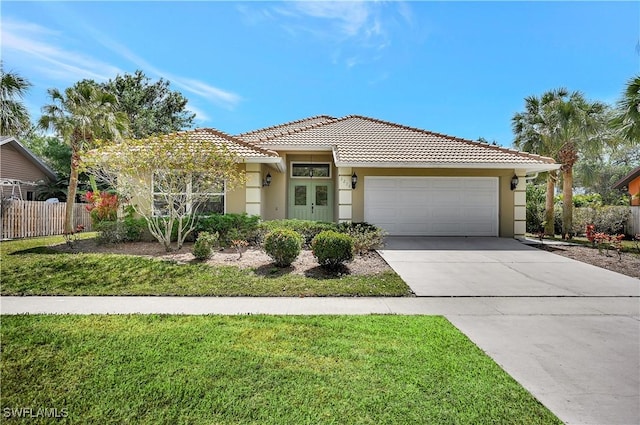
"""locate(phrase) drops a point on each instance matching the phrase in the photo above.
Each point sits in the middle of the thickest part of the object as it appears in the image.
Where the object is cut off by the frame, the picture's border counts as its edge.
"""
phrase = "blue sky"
(460, 68)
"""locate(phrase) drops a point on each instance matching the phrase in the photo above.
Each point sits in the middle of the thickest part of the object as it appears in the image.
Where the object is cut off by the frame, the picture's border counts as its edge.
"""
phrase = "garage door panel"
(437, 206)
(479, 214)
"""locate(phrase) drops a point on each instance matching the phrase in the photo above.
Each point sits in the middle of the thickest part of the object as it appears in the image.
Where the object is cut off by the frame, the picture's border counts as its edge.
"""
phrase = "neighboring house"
(20, 170)
(631, 182)
(406, 180)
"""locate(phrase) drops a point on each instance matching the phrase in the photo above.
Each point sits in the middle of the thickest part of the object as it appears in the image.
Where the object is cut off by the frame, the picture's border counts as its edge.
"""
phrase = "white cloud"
(38, 47)
(201, 116)
(348, 17)
(351, 29)
(223, 98)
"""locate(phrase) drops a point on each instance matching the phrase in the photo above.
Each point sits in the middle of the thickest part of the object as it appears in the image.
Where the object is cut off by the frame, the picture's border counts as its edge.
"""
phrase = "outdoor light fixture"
(354, 181)
(267, 180)
(514, 182)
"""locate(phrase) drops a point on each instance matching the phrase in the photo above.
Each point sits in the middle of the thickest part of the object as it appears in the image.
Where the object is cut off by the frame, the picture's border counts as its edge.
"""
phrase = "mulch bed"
(627, 263)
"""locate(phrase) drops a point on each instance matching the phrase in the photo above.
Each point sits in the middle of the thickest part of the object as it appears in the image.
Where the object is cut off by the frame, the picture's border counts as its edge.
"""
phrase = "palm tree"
(562, 125)
(14, 117)
(627, 118)
(80, 116)
(529, 137)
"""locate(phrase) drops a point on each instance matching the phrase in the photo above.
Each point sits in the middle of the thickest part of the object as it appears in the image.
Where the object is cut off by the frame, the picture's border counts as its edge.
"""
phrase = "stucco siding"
(274, 197)
(236, 197)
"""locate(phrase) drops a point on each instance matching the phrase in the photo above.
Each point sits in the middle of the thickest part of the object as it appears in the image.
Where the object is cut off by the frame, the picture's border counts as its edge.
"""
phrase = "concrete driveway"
(491, 267)
(584, 365)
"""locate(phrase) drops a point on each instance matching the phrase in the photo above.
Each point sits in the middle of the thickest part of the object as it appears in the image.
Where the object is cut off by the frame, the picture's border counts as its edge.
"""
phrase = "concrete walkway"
(580, 356)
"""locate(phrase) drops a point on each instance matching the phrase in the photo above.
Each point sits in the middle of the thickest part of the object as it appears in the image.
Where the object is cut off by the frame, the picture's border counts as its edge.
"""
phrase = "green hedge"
(230, 226)
(307, 228)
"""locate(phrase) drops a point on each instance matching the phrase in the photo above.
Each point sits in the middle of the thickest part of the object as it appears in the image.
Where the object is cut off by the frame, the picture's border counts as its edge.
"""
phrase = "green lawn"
(30, 267)
(256, 370)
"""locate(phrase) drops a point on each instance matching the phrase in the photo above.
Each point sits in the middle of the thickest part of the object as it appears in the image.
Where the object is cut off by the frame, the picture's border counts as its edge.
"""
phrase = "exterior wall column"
(345, 202)
(520, 205)
(253, 189)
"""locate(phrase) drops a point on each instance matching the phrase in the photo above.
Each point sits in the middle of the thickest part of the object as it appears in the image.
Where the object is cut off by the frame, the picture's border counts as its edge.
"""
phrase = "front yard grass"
(30, 267)
(256, 370)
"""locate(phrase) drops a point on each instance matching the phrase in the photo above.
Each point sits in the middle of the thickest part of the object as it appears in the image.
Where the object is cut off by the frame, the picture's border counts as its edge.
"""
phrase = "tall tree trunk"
(69, 228)
(549, 228)
(567, 201)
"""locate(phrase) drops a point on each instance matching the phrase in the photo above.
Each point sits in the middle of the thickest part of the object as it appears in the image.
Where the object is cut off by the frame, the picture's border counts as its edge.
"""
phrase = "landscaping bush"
(230, 226)
(134, 228)
(332, 249)
(535, 207)
(103, 206)
(283, 246)
(611, 220)
(119, 231)
(203, 247)
(365, 236)
(307, 228)
(110, 232)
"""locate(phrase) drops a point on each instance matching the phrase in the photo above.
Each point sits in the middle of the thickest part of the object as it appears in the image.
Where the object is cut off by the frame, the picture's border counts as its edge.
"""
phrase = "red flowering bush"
(103, 206)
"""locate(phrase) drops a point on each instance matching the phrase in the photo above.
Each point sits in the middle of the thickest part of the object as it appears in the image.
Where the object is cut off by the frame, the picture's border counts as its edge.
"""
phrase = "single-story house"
(631, 182)
(21, 170)
(406, 180)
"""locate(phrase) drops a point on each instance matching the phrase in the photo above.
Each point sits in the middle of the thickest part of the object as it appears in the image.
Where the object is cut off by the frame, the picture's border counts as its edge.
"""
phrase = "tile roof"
(281, 129)
(361, 140)
(236, 146)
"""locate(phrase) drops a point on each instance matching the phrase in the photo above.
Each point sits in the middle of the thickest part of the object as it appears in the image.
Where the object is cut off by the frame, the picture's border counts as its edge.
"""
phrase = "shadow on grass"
(39, 250)
(272, 271)
(320, 272)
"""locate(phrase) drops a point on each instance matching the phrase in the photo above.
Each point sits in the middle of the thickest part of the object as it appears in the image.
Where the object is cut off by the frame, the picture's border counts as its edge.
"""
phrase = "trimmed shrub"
(203, 247)
(128, 230)
(230, 226)
(307, 228)
(283, 246)
(110, 232)
(365, 236)
(134, 228)
(332, 249)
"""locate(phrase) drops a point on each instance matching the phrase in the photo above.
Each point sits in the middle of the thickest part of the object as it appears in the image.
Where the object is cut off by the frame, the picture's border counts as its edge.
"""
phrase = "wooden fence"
(634, 221)
(26, 219)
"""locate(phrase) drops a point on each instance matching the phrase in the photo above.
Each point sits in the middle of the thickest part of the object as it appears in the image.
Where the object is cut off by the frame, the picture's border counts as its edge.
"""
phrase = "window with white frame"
(189, 193)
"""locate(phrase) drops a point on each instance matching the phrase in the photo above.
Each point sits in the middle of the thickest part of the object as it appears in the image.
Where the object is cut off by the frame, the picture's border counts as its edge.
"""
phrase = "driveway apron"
(583, 364)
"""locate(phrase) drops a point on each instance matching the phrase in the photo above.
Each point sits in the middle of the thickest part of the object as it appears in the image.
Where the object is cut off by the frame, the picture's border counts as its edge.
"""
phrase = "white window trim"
(187, 193)
(294, 163)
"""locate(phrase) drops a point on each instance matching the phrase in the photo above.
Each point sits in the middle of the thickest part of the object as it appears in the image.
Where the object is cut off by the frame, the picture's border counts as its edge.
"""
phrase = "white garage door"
(433, 206)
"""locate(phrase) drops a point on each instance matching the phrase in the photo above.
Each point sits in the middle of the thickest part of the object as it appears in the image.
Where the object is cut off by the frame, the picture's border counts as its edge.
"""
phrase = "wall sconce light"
(354, 181)
(267, 180)
(514, 182)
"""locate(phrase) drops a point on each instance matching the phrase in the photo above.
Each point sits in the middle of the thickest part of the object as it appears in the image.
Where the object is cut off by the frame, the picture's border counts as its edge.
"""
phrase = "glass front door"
(311, 200)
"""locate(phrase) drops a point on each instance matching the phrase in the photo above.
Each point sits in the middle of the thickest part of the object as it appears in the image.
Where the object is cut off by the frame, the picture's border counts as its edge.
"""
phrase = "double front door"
(311, 200)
